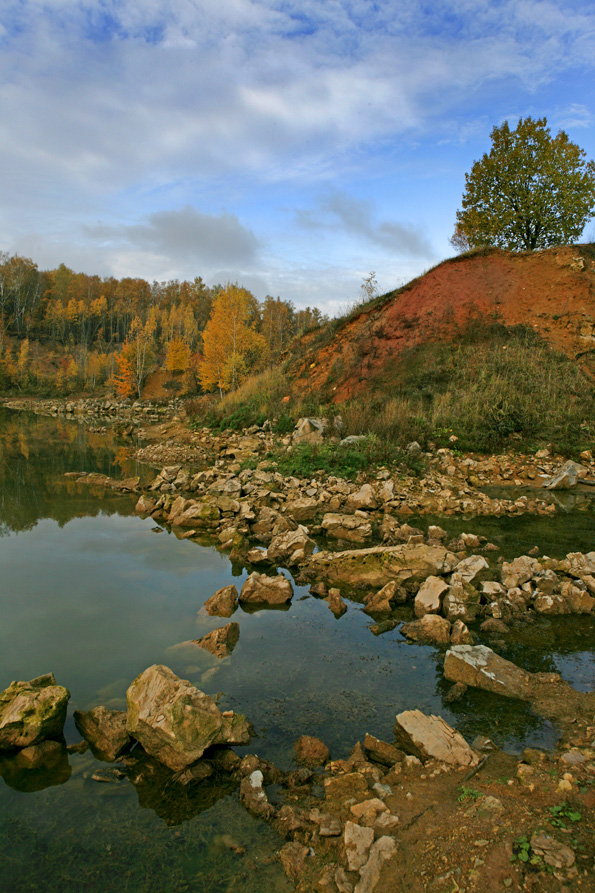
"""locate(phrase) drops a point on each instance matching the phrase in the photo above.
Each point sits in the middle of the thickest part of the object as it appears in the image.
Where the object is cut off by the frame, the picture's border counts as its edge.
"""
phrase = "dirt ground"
(553, 289)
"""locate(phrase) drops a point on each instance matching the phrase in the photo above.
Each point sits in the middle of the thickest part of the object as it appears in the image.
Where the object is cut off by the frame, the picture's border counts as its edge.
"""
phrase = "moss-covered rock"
(32, 711)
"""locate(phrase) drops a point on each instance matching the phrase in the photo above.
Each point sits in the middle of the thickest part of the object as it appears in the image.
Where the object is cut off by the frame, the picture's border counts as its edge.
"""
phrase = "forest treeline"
(62, 331)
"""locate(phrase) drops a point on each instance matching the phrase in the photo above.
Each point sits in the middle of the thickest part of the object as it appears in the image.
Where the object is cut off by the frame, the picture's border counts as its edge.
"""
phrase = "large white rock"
(480, 667)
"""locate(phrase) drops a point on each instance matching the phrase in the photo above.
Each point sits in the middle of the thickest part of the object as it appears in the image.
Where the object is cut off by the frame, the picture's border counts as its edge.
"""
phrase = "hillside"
(552, 291)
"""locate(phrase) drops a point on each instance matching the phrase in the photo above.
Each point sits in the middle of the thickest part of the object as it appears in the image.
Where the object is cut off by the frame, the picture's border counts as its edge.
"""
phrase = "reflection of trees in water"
(35, 453)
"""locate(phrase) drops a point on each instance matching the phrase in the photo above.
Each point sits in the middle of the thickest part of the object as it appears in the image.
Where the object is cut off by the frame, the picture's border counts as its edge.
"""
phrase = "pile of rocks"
(172, 720)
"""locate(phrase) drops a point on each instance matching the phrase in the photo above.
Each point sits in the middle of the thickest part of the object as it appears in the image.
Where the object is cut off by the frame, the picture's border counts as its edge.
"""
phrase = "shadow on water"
(90, 592)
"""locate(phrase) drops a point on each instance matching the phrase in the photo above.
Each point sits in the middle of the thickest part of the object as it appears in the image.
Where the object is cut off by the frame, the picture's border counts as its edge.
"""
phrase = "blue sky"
(291, 146)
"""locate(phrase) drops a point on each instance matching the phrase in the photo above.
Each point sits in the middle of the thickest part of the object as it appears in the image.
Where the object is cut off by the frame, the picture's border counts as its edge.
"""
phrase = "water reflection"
(35, 454)
(37, 767)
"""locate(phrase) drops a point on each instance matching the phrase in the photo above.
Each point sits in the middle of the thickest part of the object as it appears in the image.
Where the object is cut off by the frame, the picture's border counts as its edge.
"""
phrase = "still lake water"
(94, 594)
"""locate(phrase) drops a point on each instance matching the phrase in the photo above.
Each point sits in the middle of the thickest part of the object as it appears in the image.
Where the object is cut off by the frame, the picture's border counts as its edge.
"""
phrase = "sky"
(292, 146)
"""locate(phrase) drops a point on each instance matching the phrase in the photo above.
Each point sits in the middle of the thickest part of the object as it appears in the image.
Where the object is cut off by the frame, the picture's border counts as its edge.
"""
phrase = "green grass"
(495, 388)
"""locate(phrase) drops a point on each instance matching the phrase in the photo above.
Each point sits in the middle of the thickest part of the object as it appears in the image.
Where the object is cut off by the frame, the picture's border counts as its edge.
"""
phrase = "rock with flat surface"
(105, 730)
(302, 509)
(221, 641)
(430, 737)
(223, 602)
(407, 565)
(519, 571)
(480, 667)
(175, 722)
(32, 711)
(567, 477)
(429, 596)
(262, 590)
(553, 853)
(352, 528)
(381, 751)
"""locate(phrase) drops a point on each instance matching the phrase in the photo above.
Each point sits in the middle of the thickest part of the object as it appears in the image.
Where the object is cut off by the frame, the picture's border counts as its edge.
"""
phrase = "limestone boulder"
(580, 565)
(145, 505)
(302, 509)
(222, 641)
(32, 711)
(472, 568)
(105, 730)
(480, 667)
(362, 499)
(429, 596)
(291, 548)
(407, 565)
(520, 571)
(175, 722)
(567, 477)
(223, 602)
(431, 737)
(310, 430)
(352, 528)
(198, 514)
(270, 523)
(262, 590)
(460, 634)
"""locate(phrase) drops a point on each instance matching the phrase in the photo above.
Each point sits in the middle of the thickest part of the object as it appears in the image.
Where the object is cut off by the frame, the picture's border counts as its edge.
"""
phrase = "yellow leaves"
(231, 345)
(177, 358)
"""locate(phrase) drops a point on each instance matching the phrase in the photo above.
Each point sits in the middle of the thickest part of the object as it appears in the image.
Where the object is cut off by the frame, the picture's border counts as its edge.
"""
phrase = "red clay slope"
(553, 291)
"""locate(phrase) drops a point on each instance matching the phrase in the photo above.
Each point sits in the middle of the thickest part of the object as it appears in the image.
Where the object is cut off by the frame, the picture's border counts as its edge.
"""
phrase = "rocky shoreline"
(425, 811)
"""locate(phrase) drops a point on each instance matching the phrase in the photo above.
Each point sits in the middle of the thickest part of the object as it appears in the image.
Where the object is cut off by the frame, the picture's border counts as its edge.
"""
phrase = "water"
(95, 594)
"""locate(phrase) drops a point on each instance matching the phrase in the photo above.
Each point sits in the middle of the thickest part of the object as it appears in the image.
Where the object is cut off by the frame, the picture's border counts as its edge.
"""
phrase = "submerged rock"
(105, 730)
(32, 711)
(222, 641)
(175, 722)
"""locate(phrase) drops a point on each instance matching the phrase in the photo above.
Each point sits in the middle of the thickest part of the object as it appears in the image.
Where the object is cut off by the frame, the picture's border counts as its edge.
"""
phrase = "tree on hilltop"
(529, 192)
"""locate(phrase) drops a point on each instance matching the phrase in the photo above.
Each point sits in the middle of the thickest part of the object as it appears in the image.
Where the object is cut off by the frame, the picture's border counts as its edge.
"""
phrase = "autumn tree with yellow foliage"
(232, 347)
